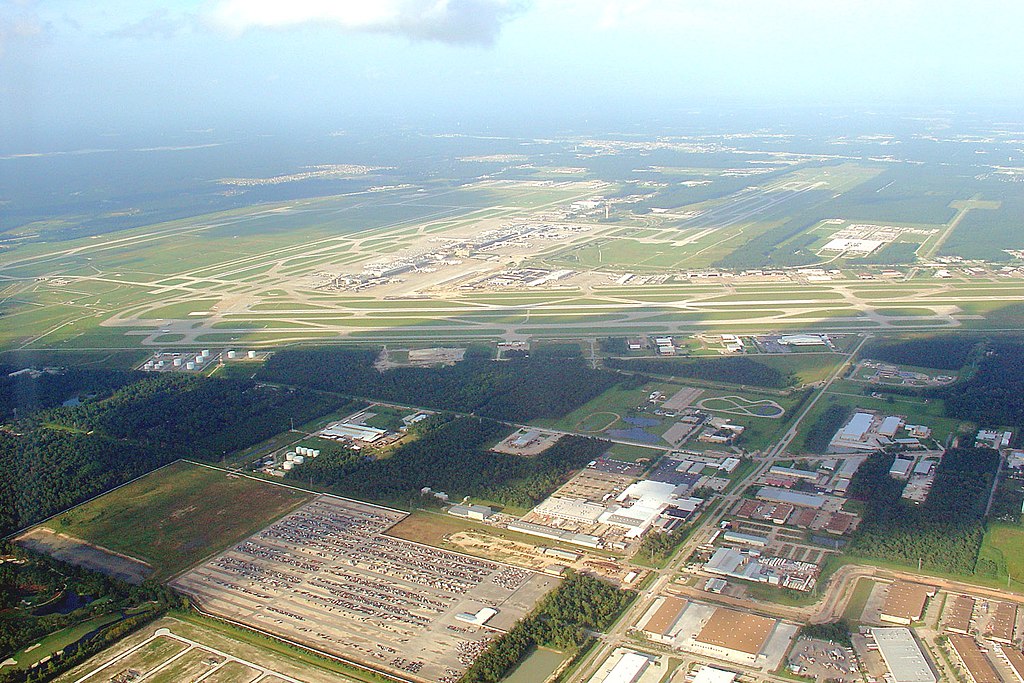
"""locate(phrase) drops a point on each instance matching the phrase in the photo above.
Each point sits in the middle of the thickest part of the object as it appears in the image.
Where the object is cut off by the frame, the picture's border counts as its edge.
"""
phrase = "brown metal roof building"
(958, 613)
(973, 660)
(1000, 628)
(659, 626)
(905, 602)
(733, 635)
(1016, 660)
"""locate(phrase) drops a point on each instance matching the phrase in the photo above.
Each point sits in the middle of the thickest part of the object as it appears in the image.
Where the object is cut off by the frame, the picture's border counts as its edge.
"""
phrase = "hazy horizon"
(68, 71)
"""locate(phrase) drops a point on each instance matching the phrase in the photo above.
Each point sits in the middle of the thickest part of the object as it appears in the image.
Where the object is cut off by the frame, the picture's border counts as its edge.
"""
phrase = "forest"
(56, 458)
(945, 532)
(452, 455)
(824, 428)
(942, 352)
(560, 621)
(24, 394)
(992, 395)
(518, 390)
(737, 370)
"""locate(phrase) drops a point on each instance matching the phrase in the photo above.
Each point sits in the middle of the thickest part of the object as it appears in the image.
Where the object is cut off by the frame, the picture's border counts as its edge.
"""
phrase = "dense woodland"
(31, 585)
(736, 370)
(560, 621)
(824, 428)
(452, 455)
(56, 458)
(993, 394)
(945, 532)
(942, 352)
(23, 395)
(518, 390)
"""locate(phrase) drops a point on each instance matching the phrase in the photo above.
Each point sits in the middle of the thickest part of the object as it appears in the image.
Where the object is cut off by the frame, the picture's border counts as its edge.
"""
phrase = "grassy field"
(808, 367)
(177, 516)
(1003, 545)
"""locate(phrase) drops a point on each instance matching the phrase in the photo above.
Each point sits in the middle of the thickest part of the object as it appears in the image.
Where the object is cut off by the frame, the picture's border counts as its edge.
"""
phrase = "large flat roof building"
(1000, 627)
(856, 428)
(660, 621)
(735, 636)
(628, 669)
(905, 602)
(903, 656)
(774, 494)
(958, 614)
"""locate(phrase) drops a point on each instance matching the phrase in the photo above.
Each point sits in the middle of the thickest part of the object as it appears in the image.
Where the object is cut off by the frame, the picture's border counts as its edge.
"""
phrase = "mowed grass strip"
(179, 515)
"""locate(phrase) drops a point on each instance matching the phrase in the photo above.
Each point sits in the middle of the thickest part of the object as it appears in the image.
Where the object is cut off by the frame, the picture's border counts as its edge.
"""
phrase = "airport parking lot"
(328, 577)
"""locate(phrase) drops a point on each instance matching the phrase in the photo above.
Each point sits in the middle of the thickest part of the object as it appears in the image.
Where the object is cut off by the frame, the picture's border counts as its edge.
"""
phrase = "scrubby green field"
(1003, 547)
(176, 516)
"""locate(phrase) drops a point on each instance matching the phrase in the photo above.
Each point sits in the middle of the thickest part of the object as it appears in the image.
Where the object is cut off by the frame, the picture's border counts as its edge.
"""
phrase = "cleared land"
(169, 519)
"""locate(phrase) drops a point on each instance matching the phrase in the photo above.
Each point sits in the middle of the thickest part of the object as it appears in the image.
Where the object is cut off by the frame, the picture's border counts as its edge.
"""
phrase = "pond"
(536, 667)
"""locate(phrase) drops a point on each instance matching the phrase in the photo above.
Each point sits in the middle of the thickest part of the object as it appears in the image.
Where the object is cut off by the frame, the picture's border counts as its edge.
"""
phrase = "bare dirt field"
(82, 554)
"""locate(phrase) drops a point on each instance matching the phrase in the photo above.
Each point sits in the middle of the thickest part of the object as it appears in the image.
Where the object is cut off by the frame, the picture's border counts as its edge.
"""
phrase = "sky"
(71, 65)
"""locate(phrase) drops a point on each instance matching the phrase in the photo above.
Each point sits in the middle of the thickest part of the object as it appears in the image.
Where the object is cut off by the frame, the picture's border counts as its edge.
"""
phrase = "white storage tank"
(232, 354)
(176, 362)
(252, 354)
(299, 459)
(288, 466)
(289, 456)
(199, 359)
(206, 353)
(190, 365)
(316, 452)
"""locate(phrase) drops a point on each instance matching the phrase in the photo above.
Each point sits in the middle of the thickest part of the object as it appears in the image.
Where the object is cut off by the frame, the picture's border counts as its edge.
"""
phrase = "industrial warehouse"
(725, 634)
(609, 510)
(326, 576)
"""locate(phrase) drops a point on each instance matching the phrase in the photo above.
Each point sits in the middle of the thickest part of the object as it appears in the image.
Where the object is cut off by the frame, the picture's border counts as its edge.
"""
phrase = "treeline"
(32, 574)
(518, 390)
(57, 458)
(834, 632)
(24, 394)
(992, 395)
(942, 352)
(734, 370)
(824, 428)
(45, 471)
(945, 532)
(452, 455)
(658, 546)
(560, 621)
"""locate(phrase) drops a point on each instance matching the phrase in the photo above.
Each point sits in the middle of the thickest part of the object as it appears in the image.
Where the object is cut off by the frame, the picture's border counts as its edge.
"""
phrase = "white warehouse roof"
(857, 427)
(628, 669)
(709, 674)
(903, 656)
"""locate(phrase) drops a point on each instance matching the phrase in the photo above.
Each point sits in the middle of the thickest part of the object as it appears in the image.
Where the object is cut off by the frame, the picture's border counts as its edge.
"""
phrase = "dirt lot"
(82, 554)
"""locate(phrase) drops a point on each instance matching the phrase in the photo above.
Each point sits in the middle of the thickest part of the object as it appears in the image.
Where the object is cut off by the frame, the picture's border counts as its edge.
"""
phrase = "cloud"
(160, 23)
(19, 23)
(466, 22)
